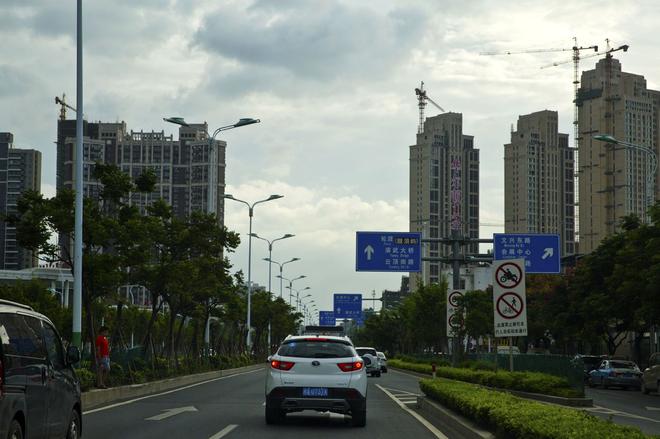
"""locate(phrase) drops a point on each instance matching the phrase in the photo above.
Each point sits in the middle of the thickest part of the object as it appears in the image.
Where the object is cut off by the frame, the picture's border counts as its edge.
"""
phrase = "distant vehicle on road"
(651, 375)
(371, 360)
(619, 373)
(590, 362)
(39, 389)
(321, 373)
(383, 362)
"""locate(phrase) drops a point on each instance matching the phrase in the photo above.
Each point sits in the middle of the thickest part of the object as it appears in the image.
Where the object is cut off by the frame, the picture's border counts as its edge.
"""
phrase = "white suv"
(321, 373)
(371, 360)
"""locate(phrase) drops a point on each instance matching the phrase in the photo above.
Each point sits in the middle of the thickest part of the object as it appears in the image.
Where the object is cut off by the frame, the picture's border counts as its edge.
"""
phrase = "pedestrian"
(102, 357)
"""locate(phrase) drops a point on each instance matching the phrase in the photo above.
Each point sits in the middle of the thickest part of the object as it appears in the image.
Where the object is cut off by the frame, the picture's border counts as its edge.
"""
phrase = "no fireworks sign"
(510, 303)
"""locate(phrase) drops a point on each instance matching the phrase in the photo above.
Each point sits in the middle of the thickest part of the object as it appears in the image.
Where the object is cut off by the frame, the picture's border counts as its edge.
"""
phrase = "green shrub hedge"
(534, 382)
(516, 418)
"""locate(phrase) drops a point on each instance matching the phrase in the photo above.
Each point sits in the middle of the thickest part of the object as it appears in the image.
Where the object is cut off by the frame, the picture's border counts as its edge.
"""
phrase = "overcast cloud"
(332, 82)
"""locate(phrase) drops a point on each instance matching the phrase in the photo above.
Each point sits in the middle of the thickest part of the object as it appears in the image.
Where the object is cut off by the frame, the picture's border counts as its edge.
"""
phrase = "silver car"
(651, 376)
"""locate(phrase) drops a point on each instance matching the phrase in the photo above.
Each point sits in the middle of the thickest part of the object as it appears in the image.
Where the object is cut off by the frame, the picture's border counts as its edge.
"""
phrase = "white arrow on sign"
(369, 250)
(548, 252)
(171, 412)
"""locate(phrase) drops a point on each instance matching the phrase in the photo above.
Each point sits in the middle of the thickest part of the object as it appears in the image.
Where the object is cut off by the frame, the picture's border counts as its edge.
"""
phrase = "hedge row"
(138, 371)
(516, 418)
(534, 382)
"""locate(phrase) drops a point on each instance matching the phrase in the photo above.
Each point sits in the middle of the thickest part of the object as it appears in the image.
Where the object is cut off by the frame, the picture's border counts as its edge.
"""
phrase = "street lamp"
(281, 267)
(291, 281)
(213, 162)
(249, 292)
(270, 253)
(651, 165)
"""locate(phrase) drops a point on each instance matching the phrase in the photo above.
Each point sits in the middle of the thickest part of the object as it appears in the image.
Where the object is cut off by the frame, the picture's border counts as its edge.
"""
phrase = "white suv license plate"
(315, 392)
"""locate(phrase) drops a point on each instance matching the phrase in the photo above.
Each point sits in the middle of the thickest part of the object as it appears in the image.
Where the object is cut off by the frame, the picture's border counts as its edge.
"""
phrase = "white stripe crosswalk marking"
(224, 432)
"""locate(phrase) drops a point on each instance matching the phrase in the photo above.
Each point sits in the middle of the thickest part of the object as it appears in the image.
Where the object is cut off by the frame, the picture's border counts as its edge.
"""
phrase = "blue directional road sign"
(326, 318)
(348, 306)
(540, 251)
(388, 251)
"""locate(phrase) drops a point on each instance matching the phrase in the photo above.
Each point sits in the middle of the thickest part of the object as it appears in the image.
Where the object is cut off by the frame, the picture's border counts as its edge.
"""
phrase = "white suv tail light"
(350, 367)
(281, 365)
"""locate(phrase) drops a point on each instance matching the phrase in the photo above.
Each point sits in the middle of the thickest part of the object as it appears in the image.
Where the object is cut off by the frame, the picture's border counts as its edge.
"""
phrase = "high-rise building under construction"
(613, 178)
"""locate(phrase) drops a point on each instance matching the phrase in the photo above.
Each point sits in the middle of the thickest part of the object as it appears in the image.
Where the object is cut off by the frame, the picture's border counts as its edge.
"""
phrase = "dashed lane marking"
(607, 411)
(224, 432)
(437, 433)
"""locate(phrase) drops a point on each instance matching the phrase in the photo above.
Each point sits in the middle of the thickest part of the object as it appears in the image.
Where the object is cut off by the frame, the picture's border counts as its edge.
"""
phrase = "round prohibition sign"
(508, 275)
(455, 321)
(453, 298)
(509, 305)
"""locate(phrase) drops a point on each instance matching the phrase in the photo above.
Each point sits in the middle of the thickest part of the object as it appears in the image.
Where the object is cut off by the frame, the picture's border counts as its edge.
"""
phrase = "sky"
(333, 84)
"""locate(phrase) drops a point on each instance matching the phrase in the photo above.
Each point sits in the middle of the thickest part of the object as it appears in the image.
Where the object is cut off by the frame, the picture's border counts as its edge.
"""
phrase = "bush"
(87, 379)
(517, 418)
(533, 382)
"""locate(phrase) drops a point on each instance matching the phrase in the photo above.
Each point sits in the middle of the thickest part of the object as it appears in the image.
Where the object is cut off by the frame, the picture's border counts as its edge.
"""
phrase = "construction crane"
(576, 131)
(422, 97)
(63, 106)
(575, 59)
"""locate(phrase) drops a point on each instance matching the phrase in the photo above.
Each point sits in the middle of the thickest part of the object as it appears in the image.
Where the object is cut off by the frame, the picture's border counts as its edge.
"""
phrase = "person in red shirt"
(102, 357)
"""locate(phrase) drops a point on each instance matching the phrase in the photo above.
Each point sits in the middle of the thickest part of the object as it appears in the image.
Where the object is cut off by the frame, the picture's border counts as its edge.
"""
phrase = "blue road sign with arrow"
(348, 306)
(388, 251)
(327, 318)
(541, 252)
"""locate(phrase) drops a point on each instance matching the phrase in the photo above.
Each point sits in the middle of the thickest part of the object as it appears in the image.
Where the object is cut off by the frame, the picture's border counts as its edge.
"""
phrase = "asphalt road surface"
(628, 407)
(233, 407)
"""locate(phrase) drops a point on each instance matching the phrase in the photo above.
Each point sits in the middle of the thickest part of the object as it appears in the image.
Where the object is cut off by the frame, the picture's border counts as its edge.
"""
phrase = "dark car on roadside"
(589, 363)
(616, 373)
(39, 390)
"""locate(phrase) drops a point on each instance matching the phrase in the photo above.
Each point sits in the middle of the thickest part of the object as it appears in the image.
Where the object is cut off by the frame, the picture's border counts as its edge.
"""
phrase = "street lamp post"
(290, 287)
(651, 165)
(213, 179)
(249, 292)
(281, 268)
(213, 155)
(270, 254)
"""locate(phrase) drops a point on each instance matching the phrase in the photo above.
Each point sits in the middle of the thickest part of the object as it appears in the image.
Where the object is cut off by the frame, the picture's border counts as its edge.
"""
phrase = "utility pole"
(456, 259)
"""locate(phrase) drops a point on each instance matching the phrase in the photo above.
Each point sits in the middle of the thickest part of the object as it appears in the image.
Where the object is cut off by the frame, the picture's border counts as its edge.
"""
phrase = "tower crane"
(422, 97)
(63, 106)
(575, 59)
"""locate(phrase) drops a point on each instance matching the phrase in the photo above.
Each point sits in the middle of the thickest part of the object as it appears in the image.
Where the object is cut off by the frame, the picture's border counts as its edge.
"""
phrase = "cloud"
(313, 40)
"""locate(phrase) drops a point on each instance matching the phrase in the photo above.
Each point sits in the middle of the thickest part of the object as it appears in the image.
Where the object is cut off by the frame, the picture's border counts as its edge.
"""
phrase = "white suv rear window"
(315, 349)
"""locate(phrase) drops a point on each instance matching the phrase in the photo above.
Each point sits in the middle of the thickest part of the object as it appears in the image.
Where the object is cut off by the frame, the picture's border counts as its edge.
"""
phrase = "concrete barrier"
(99, 397)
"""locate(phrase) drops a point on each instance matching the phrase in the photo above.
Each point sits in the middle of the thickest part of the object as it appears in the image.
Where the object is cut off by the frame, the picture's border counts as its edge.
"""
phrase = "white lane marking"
(611, 412)
(224, 432)
(263, 404)
(178, 389)
(168, 413)
(414, 414)
(656, 409)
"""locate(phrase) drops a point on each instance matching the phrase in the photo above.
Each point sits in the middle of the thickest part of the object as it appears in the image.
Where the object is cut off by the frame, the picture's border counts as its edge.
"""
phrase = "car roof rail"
(20, 305)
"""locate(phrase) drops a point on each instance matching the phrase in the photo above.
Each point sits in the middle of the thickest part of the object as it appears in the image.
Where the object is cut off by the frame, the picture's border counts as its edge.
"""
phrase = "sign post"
(509, 301)
(388, 251)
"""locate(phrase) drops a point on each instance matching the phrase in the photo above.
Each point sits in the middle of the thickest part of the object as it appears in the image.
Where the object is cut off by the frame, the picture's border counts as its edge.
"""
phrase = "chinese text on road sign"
(348, 306)
(509, 300)
(388, 251)
(541, 252)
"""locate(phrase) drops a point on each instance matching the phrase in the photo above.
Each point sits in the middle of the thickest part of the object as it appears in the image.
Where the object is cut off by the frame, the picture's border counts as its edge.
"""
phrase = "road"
(629, 407)
(233, 407)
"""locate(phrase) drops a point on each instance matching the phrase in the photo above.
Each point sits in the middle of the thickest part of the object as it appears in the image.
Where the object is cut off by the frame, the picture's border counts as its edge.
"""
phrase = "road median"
(95, 398)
